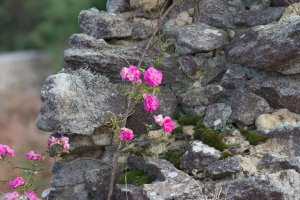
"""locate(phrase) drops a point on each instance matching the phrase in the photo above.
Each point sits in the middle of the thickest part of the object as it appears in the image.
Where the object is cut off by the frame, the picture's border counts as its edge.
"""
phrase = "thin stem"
(154, 32)
(113, 175)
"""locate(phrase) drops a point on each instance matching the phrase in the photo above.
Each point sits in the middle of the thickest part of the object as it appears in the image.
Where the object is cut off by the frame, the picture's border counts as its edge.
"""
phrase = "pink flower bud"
(126, 134)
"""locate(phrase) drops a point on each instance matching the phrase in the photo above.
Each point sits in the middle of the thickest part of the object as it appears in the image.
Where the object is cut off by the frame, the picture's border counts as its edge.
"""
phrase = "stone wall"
(233, 62)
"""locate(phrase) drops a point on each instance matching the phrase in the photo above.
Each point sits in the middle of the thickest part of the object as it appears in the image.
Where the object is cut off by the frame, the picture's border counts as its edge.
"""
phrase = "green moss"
(135, 177)
(147, 154)
(225, 154)
(199, 125)
(190, 119)
(173, 157)
(254, 138)
(211, 138)
(178, 129)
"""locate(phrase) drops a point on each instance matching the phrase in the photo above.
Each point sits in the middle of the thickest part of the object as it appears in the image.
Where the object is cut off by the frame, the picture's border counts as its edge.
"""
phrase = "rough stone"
(278, 119)
(201, 96)
(233, 79)
(250, 18)
(268, 48)
(218, 13)
(103, 25)
(223, 168)
(213, 74)
(275, 163)
(97, 182)
(287, 138)
(280, 185)
(217, 115)
(140, 31)
(78, 105)
(72, 173)
(291, 12)
(68, 192)
(279, 91)
(189, 64)
(199, 38)
(247, 106)
(110, 61)
(170, 183)
(117, 6)
(167, 107)
(279, 3)
(180, 7)
(83, 41)
(199, 156)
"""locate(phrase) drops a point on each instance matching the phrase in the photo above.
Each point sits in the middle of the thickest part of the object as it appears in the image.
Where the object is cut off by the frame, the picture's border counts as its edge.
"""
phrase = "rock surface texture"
(230, 84)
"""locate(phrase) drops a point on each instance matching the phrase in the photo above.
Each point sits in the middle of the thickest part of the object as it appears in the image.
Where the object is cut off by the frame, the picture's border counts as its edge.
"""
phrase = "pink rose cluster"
(64, 141)
(166, 123)
(5, 150)
(32, 156)
(126, 134)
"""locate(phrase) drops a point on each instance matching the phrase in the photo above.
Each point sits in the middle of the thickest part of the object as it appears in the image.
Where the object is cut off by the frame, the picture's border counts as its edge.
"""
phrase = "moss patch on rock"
(190, 119)
(254, 138)
(173, 157)
(225, 154)
(136, 177)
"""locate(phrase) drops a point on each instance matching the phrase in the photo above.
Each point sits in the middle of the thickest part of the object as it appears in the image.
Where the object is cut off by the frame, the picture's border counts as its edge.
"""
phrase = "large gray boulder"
(108, 59)
(279, 91)
(247, 106)
(78, 103)
(103, 25)
(199, 156)
(268, 48)
(280, 185)
(199, 38)
(170, 183)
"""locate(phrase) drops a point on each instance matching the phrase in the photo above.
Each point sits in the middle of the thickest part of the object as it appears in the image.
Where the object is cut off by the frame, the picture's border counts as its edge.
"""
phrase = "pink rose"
(151, 102)
(65, 142)
(168, 125)
(11, 196)
(5, 150)
(126, 134)
(52, 141)
(159, 120)
(31, 195)
(31, 155)
(131, 74)
(16, 182)
(152, 77)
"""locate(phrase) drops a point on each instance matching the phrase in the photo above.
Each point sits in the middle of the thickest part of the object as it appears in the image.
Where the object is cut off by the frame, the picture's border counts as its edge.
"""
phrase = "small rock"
(217, 115)
(223, 168)
(103, 25)
(199, 38)
(199, 156)
(234, 79)
(246, 107)
(117, 6)
(271, 161)
(278, 119)
(213, 74)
